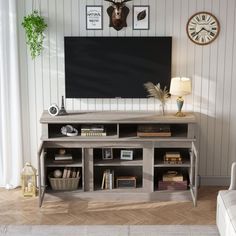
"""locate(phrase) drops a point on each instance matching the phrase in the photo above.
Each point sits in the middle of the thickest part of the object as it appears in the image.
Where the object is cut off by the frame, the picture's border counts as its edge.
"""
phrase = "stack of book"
(63, 158)
(93, 130)
(154, 130)
(172, 180)
(172, 158)
(71, 172)
(108, 179)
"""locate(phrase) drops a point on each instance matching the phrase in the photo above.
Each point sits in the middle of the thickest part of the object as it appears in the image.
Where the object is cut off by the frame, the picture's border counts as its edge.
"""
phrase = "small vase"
(162, 108)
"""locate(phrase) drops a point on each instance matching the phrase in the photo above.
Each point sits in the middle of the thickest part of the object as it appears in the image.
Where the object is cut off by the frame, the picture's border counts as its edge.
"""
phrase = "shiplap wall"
(212, 69)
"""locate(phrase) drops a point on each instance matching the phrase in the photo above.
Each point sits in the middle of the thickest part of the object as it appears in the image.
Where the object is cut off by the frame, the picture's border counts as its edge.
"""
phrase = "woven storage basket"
(64, 183)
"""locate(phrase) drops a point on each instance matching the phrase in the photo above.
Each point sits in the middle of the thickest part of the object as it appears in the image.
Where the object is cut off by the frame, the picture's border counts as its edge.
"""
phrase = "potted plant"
(34, 26)
(161, 94)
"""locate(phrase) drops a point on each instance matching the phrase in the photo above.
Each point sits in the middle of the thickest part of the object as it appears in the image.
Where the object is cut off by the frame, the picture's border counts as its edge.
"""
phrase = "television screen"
(110, 67)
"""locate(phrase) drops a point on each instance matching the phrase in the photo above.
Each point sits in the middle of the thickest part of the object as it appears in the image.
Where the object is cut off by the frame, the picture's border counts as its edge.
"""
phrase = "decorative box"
(126, 182)
(172, 185)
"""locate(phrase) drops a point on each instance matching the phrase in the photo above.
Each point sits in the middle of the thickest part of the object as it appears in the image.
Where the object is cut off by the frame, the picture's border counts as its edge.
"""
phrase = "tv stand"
(146, 165)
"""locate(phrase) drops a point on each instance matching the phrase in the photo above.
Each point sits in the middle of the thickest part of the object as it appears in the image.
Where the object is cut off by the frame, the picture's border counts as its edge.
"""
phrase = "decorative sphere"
(57, 173)
(62, 151)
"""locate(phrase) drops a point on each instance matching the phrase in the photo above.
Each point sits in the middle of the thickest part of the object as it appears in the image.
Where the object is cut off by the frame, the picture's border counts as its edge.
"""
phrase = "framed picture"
(126, 155)
(94, 17)
(107, 154)
(141, 18)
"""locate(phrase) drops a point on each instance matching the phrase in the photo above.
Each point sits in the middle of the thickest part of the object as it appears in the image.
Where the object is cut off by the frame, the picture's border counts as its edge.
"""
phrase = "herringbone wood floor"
(15, 209)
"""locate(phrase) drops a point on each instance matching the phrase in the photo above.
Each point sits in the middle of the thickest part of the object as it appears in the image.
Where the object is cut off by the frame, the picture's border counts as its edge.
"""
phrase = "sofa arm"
(233, 177)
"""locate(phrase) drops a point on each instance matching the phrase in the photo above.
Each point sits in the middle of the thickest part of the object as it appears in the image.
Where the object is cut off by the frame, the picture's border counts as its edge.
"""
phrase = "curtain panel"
(11, 159)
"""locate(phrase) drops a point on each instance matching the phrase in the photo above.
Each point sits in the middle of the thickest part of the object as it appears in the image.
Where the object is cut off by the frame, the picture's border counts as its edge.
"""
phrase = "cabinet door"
(41, 177)
(194, 173)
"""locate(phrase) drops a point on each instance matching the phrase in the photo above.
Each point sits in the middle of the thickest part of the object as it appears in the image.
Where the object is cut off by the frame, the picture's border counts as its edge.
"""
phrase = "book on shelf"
(172, 185)
(172, 154)
(97, 128)
(93, 133)
(60, 157)
(64, 175)
(154, 130)
(93, 130)
(108, 179)
(68, 172)
(62, 161)
(77, 174)
(73, 175)
(172, 176)
(154, 134)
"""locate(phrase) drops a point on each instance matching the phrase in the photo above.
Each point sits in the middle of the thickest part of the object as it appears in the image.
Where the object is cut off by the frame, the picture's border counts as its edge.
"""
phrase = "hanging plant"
(34, 26)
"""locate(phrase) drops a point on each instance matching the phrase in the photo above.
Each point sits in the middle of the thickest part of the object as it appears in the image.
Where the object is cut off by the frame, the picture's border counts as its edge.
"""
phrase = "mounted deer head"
(118, 13)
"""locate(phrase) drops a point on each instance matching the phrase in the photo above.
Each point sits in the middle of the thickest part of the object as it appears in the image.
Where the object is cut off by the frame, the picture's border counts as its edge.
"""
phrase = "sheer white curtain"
(10, 117)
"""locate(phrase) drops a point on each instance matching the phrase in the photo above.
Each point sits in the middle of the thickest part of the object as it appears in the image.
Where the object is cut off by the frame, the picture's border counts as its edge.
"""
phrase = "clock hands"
(201, 31)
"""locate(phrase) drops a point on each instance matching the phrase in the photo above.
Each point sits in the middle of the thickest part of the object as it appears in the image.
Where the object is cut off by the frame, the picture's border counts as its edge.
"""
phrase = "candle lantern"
(28, 178)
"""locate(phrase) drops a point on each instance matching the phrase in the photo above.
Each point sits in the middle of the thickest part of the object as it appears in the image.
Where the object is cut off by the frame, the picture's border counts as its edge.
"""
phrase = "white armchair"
(226, 207)
(233, 177)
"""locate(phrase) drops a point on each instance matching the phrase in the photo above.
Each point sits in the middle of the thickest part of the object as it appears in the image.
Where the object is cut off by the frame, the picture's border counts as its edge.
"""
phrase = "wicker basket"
(64, 183)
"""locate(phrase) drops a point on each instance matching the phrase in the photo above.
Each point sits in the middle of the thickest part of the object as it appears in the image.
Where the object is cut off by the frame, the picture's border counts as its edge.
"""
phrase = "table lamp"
(180, 86)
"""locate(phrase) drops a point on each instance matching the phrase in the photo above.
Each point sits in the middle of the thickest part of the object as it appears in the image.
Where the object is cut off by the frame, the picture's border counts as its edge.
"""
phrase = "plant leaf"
(156, 92)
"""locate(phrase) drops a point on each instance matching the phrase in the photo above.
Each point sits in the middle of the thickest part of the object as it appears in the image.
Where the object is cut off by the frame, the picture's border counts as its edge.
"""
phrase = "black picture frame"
(144, 23)
(91, 17)
(107, 154)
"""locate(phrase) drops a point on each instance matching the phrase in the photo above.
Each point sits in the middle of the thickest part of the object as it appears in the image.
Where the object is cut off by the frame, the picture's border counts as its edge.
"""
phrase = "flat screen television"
(110, 67)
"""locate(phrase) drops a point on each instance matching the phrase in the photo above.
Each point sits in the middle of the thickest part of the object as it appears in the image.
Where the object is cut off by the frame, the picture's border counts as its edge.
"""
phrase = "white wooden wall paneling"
(227, 86)
(219, 89)
(232, 118)
(204, 97)
(211, 100)
(32, 97)
(211, 67)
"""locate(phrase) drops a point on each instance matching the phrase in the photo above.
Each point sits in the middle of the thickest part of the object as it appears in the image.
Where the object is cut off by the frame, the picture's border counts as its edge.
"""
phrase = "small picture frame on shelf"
(141, 17)
(126, 155)
(107, 154)
(94, 17)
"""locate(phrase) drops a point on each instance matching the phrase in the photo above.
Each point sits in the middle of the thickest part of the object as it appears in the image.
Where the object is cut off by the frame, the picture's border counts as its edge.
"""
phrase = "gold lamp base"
(180, 114)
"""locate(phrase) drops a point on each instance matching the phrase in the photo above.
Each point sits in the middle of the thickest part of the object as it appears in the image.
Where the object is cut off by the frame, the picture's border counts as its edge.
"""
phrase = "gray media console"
(135, 161)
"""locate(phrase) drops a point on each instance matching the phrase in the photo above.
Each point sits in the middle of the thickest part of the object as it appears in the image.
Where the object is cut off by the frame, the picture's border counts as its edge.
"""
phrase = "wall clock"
(203, 28)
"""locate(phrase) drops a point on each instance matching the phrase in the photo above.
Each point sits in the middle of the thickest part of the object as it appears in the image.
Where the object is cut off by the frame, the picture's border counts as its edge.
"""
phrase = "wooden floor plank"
(15, 209)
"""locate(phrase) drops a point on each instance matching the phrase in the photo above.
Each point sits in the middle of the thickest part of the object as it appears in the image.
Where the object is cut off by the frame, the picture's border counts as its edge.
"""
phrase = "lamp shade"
(180, 86)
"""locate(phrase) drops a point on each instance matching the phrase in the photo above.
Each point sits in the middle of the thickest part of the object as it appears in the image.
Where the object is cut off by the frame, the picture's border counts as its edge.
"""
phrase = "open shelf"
(54, 131)
(158, 173)
(75, 162)
(49, 172)
(116, 157)
(159, 154)
(118, 172)
(131, 131)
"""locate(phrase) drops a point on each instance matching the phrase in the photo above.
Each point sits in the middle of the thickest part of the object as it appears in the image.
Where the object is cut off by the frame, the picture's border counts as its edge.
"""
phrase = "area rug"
(109, 230)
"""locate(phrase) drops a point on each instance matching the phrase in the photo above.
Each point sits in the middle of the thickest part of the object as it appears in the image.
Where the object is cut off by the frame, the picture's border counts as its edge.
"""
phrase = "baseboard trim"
(214, 180)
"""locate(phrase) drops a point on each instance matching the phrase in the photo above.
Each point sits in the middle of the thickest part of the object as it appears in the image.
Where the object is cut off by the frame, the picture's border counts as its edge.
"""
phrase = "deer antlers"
(124, 1)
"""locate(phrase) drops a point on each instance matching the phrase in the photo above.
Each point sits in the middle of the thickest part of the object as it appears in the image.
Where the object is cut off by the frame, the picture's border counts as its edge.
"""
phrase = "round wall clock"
(203, 28)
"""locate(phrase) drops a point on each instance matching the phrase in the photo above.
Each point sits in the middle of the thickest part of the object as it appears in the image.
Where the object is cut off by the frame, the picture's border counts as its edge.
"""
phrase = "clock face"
(203, 28)
(53, 110)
